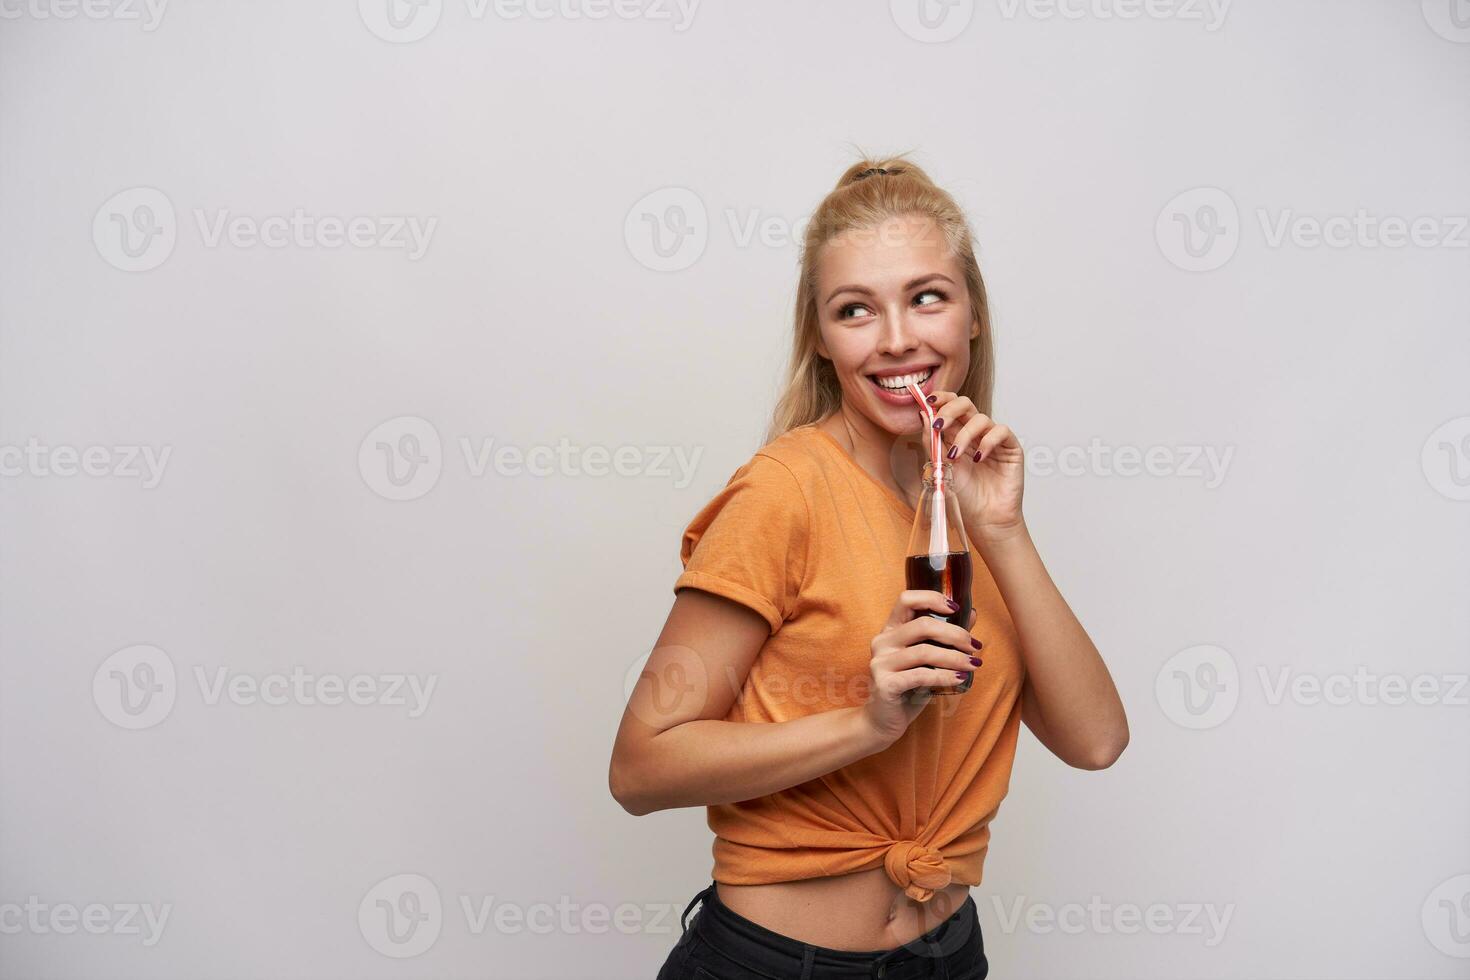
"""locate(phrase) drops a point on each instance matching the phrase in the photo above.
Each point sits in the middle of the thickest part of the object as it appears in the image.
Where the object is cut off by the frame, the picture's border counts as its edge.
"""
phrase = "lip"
(902, 397)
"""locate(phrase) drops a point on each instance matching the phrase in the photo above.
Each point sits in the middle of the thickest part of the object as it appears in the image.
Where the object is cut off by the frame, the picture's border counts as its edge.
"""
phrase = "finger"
(973, 614)
(953, 412)
(999, 435)
(939, 398)
(927, 628)
(967, 438)
(920, 677)
(912, 601)
(929, 655)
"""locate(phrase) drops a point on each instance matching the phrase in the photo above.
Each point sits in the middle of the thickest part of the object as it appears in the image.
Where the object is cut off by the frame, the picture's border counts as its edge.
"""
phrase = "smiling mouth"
(897, 383)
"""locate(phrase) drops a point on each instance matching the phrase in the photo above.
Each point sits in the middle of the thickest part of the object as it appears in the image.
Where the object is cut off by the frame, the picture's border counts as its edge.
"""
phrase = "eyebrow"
(906, 286)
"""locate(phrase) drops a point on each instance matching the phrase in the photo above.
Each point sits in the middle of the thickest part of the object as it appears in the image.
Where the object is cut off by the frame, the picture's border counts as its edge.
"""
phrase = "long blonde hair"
(863, 199)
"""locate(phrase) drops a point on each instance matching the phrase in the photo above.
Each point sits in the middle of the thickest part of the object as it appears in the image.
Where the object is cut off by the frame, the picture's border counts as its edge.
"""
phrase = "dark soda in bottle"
(939, 557)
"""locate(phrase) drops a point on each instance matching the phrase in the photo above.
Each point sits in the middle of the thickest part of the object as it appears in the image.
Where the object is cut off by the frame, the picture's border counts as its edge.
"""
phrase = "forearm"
(706, 762)
(1074, 694)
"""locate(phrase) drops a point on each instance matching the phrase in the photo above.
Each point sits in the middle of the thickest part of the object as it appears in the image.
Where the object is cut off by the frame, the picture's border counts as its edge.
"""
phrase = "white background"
(540, 314)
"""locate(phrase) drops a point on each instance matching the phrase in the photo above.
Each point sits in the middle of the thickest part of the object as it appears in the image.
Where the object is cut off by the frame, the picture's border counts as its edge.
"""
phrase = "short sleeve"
(749, 543)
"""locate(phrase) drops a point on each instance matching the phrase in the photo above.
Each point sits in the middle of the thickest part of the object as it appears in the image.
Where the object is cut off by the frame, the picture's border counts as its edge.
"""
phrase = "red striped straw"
(938, 528)
(936, 445)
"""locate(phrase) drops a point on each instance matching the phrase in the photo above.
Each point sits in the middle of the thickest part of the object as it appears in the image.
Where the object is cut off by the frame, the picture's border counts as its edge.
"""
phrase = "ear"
(974, 329)
(822, 346)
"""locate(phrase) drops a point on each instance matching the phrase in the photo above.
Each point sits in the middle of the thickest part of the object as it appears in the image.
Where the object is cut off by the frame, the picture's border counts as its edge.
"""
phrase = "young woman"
(790, 690)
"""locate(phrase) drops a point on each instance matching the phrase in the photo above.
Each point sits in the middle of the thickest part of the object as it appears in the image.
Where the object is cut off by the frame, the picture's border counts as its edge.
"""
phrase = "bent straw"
(939, 521)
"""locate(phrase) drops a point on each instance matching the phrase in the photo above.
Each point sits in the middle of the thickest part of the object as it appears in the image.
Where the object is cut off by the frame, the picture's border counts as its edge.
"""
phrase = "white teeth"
(899, 382)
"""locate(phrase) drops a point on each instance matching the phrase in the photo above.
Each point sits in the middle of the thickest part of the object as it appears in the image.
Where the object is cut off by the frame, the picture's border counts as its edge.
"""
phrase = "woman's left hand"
(988, 467)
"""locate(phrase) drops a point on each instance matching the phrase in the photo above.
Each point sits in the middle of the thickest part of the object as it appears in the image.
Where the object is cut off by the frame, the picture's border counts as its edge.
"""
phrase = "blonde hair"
(863, 198)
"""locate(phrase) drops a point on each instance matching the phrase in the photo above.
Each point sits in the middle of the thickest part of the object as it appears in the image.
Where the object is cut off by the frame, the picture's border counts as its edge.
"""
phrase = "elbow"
(1102, 753)
(623, 790)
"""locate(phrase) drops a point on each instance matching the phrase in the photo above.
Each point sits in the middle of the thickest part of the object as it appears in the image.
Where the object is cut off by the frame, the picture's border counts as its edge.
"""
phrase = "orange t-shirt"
(807, 538)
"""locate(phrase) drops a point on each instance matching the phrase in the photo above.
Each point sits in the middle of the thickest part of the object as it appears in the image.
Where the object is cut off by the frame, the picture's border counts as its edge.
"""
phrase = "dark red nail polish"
(978, 455)
(976, 644)
(939, 423)
(975, 661)
(953, 451)
(961, 674)
(953, 605)
(932, 399)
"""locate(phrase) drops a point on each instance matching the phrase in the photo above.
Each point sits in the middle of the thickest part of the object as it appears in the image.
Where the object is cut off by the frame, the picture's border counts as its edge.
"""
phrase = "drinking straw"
(935, 443)
(939, 522)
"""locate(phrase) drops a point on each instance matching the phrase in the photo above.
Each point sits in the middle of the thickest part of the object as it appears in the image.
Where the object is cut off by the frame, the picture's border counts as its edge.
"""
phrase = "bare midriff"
(859, 912)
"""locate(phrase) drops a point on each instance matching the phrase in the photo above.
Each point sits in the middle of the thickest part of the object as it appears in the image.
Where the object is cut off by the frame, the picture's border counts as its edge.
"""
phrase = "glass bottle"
(939, 556)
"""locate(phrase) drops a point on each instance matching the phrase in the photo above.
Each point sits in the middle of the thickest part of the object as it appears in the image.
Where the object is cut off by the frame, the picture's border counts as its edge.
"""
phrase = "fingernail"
(953, 605)
(976, 644)
(975, 661)
(953, 451)
(978, 455)
(961, 674)
(932, 399)
(939, 423)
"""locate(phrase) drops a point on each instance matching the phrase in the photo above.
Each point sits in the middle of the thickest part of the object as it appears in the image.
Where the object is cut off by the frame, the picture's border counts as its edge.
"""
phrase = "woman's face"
(892, 305)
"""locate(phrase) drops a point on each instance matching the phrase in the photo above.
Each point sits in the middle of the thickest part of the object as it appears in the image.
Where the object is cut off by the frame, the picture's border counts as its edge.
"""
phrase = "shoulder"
(799, 454)
(768, 493)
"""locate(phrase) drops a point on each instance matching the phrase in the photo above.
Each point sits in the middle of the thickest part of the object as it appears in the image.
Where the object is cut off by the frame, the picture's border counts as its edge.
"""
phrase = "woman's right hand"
(907, 658)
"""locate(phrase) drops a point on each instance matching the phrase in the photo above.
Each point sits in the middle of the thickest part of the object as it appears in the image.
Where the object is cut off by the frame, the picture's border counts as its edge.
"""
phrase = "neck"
(895, 461)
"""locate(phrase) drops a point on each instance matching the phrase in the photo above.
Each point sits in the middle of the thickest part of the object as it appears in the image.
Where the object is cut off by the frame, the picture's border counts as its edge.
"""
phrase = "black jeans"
(721, 945)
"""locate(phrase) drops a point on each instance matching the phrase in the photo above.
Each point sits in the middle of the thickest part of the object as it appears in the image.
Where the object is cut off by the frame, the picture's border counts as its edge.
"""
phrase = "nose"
(896, 337)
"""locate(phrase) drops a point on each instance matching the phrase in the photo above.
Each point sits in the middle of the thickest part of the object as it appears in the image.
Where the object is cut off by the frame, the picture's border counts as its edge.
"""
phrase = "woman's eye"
(845, 312)
(930, 292)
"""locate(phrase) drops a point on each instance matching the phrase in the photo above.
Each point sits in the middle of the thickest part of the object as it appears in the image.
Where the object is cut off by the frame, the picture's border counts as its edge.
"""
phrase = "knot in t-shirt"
(918, 870)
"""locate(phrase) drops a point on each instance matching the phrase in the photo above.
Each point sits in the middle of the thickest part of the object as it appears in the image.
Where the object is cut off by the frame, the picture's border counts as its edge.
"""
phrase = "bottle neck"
(948, 472)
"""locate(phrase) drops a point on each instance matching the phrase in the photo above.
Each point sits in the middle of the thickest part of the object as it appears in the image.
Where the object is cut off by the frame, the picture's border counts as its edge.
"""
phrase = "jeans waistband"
(757, 948)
